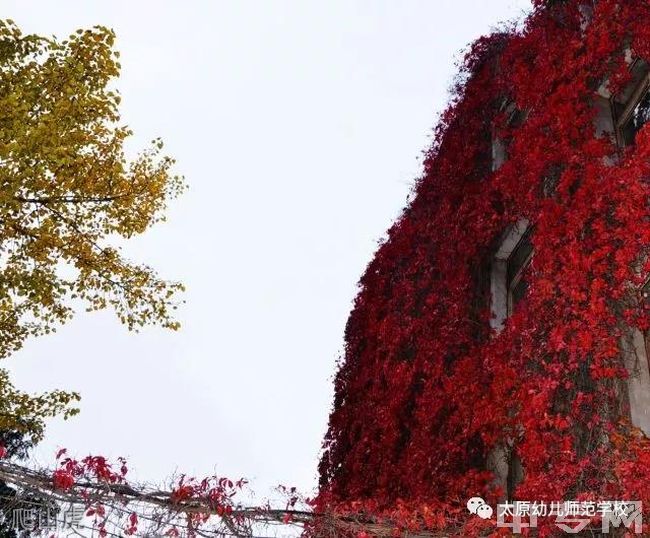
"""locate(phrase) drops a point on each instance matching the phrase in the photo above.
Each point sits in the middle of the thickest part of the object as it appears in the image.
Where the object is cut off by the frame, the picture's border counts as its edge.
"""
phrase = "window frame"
(512, 283)
(640, 88)
(499, 281)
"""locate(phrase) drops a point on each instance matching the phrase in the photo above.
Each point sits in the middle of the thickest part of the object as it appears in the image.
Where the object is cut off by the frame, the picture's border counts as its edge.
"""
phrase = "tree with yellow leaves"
(68, 194)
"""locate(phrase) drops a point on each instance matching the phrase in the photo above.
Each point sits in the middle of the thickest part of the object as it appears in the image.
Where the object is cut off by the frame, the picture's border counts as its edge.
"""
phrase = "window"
(514, 118)
(508, 281)
(508, 284)
(638, 117)
(632, 106)
(518, 261)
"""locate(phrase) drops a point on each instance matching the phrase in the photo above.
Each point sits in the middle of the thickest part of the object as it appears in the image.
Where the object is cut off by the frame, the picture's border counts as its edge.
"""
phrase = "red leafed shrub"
(426, 389)
(132, 527)
(182, 493)
(62, 479)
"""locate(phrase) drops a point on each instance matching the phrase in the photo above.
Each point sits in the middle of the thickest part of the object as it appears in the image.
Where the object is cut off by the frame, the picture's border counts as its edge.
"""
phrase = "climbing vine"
(427, 389)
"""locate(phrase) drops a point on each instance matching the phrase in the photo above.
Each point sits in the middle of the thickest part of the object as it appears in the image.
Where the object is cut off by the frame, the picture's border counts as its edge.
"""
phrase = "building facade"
(498, 344)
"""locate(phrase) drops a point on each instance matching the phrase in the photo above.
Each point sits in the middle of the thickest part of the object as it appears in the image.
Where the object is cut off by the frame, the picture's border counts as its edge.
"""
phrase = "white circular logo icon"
(484, 511)
(476, 505)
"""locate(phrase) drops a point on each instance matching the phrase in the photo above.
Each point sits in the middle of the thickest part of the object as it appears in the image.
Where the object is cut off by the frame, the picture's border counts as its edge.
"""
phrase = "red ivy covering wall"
(426, 389)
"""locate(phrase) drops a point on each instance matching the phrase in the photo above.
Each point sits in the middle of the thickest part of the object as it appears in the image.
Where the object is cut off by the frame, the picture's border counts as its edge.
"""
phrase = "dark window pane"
(519, 258)
(640, 116)
(518, 291)
(517, 263)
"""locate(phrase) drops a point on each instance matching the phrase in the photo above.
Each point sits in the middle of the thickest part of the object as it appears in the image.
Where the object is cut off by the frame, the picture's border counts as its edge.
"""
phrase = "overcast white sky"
(299, 126)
